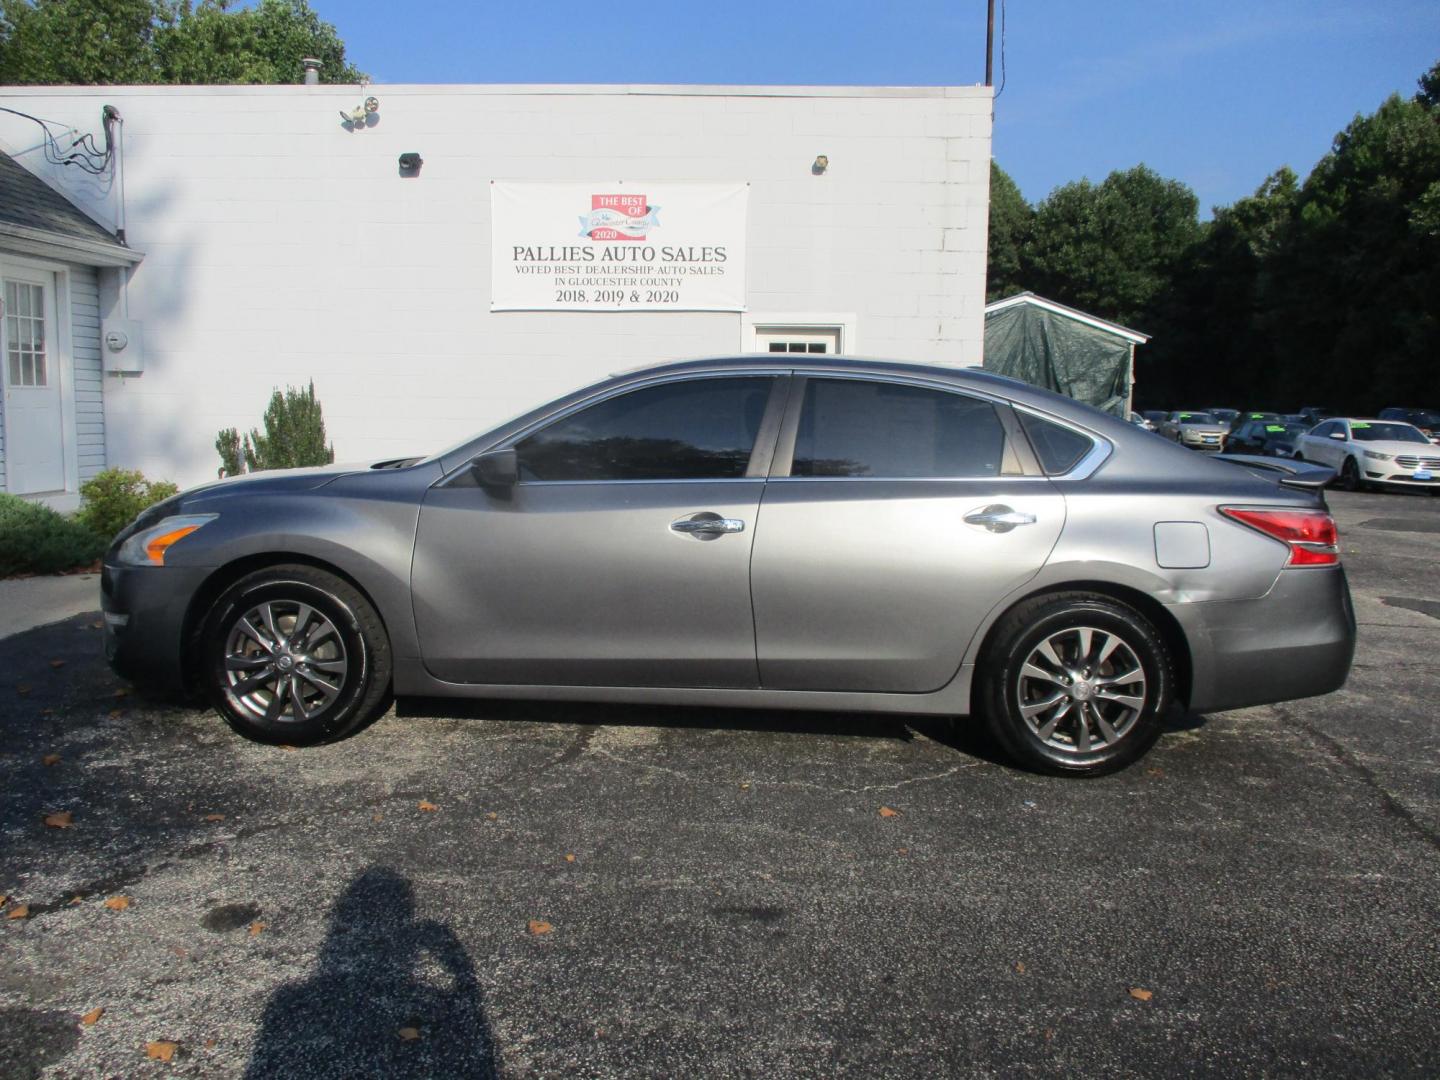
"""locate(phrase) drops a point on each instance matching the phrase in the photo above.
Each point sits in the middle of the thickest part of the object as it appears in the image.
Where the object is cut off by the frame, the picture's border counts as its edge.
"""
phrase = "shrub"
(36, 540)
(112, 499)
(294, 436)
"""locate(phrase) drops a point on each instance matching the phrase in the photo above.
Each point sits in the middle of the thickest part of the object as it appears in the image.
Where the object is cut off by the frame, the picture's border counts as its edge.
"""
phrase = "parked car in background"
(1224, 416)
(1427, 420)
(769, 532)
(1262, 417)
(1196, 430)
(1313, 414)
(1155, 416)
(1140, 420)
(1372, 452)
(1269, 439)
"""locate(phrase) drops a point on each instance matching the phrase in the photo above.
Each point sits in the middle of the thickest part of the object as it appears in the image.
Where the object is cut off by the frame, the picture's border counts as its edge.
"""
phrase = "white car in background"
(1372, 452)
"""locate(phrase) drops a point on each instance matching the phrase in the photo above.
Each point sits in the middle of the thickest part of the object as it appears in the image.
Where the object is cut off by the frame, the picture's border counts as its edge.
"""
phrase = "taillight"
(1310, 534)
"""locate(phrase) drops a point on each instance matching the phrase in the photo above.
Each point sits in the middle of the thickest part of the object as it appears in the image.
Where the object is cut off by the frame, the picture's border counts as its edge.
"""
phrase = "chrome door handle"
(999, 518)
(708, 525)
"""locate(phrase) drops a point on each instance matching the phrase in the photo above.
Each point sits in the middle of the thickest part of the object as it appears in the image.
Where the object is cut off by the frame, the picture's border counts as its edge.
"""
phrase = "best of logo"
(619, 217)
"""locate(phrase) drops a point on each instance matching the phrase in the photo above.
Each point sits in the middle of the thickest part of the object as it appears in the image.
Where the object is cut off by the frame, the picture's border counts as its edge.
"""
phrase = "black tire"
(341, 671)
(1004, 686)
(1349, 479)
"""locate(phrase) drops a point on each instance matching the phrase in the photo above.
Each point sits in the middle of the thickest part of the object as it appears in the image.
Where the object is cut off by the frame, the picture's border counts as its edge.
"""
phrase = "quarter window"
(854, 427)
(1058, 448)
(699, 429)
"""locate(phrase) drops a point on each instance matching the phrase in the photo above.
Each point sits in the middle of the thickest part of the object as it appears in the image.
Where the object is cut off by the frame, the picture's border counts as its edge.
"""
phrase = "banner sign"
(617, 246)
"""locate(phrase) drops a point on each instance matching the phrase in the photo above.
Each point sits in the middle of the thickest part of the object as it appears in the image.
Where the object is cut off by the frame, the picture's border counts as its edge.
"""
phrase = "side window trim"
(1015, 442)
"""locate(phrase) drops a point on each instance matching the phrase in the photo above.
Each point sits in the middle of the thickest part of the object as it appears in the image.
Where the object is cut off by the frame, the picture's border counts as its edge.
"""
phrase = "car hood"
(1203, 429)
(276, 480)
(1398, 449)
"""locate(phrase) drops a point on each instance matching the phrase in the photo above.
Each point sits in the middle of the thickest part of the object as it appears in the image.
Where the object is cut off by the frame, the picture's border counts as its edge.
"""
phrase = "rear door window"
(864, 428)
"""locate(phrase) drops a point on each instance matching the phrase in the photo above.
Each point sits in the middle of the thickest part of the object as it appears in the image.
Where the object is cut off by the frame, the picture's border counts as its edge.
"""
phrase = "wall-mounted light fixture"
(822, 162)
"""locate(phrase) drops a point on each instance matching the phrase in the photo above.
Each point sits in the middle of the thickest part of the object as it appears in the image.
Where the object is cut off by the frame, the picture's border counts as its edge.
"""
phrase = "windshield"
(1195, 418)
(1385, 431)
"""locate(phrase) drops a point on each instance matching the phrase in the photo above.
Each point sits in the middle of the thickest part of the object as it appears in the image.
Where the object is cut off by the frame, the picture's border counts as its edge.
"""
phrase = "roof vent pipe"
(312, 71)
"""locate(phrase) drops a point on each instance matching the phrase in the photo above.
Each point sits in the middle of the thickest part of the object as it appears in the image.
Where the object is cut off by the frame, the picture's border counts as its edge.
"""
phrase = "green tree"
(96, 42)
(294, 433)
(77, 41)
(1011, 222)
(1112, 248)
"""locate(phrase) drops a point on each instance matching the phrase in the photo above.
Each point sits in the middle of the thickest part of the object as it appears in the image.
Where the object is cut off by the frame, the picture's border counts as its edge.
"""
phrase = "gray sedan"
(757, 531)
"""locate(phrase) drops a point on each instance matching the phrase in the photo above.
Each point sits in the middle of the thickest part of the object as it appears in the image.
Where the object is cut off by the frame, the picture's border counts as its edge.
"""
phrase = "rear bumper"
(1297, 641)
(145, 609)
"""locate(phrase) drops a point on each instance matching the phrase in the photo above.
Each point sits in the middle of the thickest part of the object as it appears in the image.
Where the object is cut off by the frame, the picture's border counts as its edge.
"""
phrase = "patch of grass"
(36, 540)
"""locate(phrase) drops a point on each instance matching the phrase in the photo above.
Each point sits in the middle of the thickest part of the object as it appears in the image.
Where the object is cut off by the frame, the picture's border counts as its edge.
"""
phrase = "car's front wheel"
(1076, 683)
(297, 656)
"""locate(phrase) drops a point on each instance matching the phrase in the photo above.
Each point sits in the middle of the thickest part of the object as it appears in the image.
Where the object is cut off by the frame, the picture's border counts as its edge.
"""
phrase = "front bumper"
(1297, 641)
(145, 609)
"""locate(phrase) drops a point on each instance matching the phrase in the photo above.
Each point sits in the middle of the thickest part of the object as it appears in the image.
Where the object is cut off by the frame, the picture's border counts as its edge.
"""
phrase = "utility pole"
(990, 43)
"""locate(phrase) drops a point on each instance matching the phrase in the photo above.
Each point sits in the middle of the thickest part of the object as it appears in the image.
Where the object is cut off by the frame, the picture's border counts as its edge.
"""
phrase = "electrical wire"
(1001, 88)
(90, 157)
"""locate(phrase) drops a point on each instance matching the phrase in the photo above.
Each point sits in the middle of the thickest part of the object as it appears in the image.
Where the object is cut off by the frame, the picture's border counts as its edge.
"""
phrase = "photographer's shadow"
(390, 996)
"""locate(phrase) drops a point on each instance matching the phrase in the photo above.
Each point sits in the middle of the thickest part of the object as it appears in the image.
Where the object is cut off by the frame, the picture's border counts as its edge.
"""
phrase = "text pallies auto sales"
(617, 253)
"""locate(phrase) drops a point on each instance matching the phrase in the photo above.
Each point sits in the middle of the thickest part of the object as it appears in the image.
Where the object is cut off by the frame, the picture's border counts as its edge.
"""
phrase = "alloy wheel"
(284, 661)
(1081, 689)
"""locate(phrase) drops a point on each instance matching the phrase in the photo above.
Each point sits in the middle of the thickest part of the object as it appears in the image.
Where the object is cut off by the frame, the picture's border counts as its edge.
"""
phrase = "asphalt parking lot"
(531, 890)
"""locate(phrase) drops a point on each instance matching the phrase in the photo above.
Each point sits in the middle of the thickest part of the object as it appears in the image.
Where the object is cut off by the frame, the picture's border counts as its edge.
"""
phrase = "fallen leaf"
(903, 850)
(885, 811)
(569, 858)
(376, 817)
(409, 1034)
(124, 691)
(57, 663)
(76, 899)
(19, 911)
(93, 1015)
(62, 819)
(744, 787)
(3, 899)
(540, 926)
(255, 928)
(1155, 771)
(47, 712)
(181, 953)
(115, 714)
(214, 817)
(492, 816)
(97, 626)
(1049, 1034)
(209, 1044)
(1019, 967)
(118, 903)
(21, 688)
(286, 746)
(1141, 995)
(428, 806)
(50, 759)
(161, 1051)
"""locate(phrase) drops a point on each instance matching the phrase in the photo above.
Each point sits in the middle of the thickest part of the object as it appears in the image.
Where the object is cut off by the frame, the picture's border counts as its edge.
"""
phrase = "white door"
(34, 431)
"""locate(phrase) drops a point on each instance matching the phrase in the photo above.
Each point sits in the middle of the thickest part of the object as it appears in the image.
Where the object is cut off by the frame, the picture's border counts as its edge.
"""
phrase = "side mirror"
(1338, 435)
(497, 469)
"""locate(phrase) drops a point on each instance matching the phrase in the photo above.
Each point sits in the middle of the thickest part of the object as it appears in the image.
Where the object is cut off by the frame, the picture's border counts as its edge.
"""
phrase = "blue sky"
(1217, 93)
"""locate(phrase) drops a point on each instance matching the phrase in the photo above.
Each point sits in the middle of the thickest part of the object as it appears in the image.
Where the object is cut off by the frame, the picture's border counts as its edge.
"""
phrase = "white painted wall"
(281, 247)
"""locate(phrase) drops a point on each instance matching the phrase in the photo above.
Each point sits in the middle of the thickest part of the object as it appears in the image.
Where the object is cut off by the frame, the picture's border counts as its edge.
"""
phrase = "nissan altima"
(778, 532)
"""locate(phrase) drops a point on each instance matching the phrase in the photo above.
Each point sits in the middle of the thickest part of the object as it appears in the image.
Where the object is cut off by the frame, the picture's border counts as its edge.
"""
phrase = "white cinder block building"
(549, 235)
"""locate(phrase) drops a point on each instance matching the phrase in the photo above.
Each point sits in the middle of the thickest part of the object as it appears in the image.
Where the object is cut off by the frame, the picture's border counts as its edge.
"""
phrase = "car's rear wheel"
(294, 655)
(1076, 683)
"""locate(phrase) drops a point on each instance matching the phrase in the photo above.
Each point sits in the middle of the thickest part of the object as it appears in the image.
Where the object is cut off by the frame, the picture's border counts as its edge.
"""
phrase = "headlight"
(1375, 455)
(148, 546)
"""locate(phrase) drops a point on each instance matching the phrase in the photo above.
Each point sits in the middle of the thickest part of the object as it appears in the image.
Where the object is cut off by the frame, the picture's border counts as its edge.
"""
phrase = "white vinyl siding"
(89, 377)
